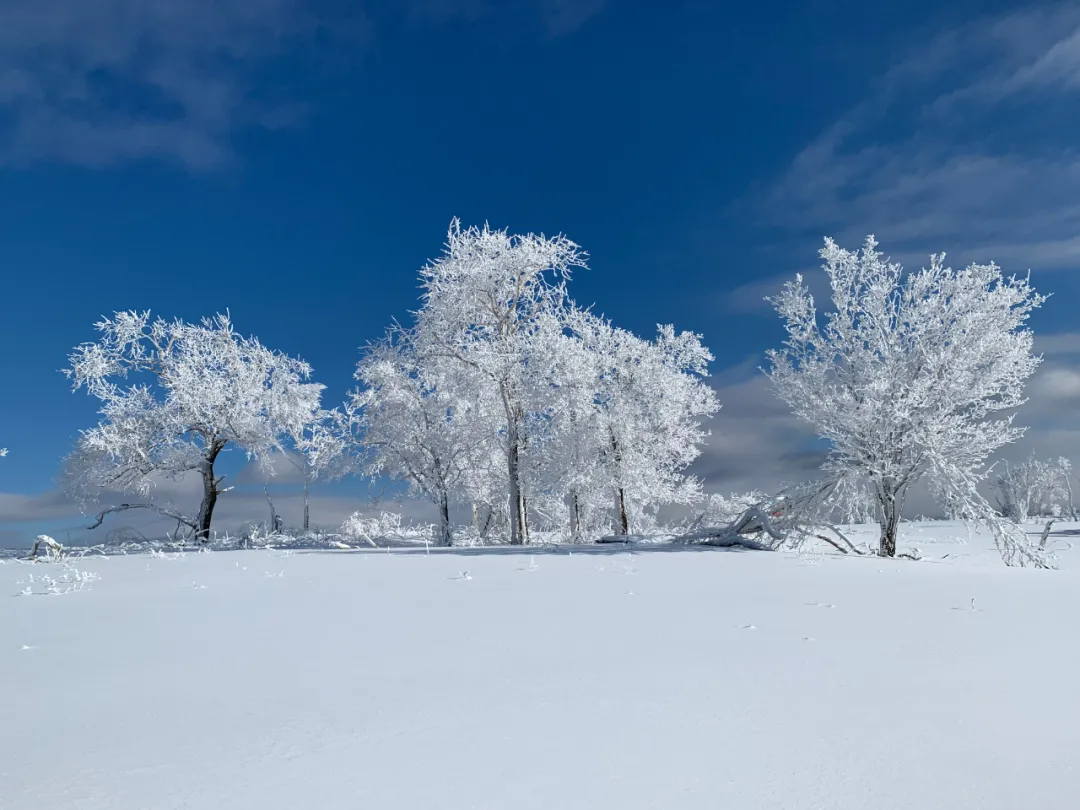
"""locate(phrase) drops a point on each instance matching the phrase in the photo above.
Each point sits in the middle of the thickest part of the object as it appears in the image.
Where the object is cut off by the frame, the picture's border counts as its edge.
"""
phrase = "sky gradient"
(296, 162)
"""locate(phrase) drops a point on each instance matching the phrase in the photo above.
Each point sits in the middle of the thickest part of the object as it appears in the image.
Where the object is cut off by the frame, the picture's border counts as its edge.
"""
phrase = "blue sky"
(296, 161)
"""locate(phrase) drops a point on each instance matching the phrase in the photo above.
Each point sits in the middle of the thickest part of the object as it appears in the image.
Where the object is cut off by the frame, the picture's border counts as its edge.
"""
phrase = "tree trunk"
(275, 519)
(482, 524)
(518, 530)
(210, 493)
(624, 519)
(890, 521)
(575, 518)
(444, 519)
(307, 510)
(620, 493)
(517, 505)
(525, 518)
(206, 508)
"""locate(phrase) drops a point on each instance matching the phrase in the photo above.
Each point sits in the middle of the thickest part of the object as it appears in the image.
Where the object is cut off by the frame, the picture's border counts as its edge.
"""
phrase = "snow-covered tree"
(483, 303)
(415, 424)
(174, 396)
(570, 469)
(649, 400)
(905, 376)
(1034, 488)
(324, 451)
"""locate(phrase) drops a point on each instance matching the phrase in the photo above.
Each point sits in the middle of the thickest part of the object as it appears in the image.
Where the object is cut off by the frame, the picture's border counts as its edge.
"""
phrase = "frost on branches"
(905, 376)
(324, 446)
(174, 396)
(486, 302)
(639, 425)
(508, 396)
(416, 423)
(1035, 489)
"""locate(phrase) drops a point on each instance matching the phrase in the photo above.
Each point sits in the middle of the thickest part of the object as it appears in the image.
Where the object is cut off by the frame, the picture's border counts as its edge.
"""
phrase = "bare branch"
(186, 521)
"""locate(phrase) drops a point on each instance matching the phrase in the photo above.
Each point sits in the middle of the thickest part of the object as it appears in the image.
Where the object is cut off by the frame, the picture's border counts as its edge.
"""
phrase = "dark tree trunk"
(517, 500)
(891, 508)
(620, 493)
(575, 518)
(206, 508)
(624, 519)
(482, 525)
(444, 520)
(525, 518)
(210, 493)
(518, 530)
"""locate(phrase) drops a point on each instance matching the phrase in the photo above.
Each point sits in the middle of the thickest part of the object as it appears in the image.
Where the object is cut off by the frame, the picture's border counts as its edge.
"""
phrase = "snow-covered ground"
(696, 678)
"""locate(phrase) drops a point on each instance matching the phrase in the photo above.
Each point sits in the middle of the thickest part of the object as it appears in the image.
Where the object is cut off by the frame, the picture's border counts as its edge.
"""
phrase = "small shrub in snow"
(68, 580)
(387, 527)
(1034, 489)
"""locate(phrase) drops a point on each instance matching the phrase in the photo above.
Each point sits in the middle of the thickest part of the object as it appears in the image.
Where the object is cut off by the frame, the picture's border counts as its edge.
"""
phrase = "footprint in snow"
(747, 627)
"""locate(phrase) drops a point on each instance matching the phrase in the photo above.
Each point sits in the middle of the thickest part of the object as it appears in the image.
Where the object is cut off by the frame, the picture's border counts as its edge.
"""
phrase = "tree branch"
(189, 522)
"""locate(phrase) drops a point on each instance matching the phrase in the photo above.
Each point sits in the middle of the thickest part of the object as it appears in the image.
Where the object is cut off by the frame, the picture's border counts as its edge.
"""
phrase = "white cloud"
(1056, 384)
(1053, 344)
(959, 147)
(279, 469)
(98, 82)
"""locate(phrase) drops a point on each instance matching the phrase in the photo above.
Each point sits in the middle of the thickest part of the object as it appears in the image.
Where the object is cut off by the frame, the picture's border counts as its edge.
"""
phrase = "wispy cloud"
(99, 82)
(965, 145)
(1055, 344)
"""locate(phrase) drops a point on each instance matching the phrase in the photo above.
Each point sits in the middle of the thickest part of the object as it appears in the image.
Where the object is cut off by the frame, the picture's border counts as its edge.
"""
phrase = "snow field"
(696, 678)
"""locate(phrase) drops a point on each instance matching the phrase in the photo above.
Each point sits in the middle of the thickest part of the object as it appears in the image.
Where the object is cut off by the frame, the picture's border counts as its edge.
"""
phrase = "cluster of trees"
(505, 395)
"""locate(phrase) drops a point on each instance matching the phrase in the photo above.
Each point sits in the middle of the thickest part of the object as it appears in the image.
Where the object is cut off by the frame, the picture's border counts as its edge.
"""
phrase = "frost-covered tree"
(415, 424)
(905, 376)
(484, 302)
(1034, 488)
(571, 453)
(649, 401)
(324, 451)
(174, 396)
